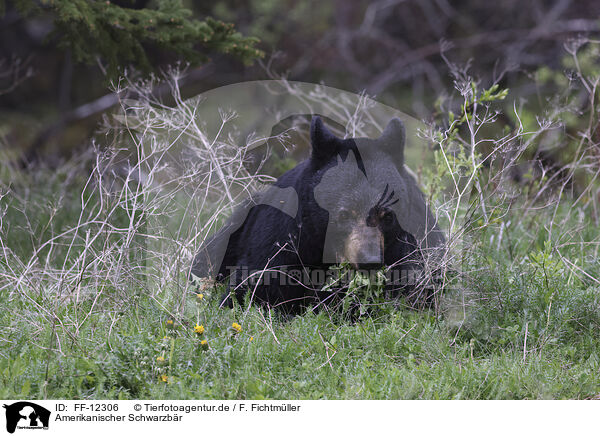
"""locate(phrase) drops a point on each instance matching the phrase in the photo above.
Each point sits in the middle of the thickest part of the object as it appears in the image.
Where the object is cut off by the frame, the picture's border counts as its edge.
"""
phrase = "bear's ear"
(324, 143)
(393, 138)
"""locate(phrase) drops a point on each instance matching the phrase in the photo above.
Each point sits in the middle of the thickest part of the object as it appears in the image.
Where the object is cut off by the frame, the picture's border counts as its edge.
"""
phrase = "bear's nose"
(369, 254)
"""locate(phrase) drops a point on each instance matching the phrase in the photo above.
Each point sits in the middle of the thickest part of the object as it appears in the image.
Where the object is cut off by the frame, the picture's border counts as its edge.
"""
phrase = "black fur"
(363, 176)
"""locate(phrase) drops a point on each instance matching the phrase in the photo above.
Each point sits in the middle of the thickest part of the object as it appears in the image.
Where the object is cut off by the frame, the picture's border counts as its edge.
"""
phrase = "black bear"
(352, 201)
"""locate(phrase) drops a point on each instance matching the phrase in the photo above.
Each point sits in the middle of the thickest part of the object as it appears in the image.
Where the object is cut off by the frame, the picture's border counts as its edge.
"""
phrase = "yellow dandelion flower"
(170, 323)
(160, 360)
(199, 329)
(204, 344)
(236, 327)
(164, 378)
(199, 297)
(251, 338)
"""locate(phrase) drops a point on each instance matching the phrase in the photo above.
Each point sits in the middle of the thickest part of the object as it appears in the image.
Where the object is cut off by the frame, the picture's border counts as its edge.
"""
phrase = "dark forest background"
(56, 68)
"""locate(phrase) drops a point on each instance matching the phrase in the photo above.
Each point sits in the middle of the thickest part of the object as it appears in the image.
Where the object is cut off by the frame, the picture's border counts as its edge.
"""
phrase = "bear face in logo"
(351, 201)
(26, 414)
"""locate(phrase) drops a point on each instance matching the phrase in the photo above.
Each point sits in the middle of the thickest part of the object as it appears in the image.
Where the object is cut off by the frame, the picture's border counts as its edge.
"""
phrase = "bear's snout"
(364, 247)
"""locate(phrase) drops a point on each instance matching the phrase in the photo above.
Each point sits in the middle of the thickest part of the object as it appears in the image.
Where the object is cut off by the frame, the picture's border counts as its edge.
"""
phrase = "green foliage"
(569, 100)
(517, 329)
(459, 157)
(511, 345)
(123, 37)
(525, 329)
(522, 324)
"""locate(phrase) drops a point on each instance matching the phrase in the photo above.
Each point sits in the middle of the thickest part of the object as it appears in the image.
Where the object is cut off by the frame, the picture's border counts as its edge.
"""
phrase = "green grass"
(393, 354)
(525, 324)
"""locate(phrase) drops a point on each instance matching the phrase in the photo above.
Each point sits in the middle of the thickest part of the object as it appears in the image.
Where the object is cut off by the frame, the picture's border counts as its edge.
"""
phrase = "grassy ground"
(83, 316)
(520, 329)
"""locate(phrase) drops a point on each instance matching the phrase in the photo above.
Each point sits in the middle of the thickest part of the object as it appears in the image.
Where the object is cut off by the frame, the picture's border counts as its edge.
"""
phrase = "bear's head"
(376, 210)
